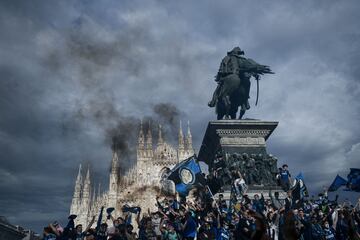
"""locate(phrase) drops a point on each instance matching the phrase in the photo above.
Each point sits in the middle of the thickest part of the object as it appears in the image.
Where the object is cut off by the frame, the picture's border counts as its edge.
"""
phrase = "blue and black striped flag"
(232, 202)
(186, 175)
(299, 191)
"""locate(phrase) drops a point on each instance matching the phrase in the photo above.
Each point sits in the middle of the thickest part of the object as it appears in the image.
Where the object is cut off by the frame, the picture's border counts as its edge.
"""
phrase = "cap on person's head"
(285, 165)
(104, 225)
(79, 225)
(72, 216)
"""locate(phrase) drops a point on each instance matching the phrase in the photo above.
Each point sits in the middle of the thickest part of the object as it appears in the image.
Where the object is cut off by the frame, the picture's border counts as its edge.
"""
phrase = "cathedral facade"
(136, 186)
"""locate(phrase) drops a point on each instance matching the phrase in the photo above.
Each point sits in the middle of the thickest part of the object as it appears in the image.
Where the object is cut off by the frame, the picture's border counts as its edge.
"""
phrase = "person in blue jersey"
(189, 227)
(222, 228)
(259, 203)
(328, 231)
(284, 176)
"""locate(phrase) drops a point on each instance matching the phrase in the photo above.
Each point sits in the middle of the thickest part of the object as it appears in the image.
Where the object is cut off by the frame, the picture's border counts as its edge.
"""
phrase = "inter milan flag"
(299, 191)
(186, 175)
(354, 179)
(338, 182)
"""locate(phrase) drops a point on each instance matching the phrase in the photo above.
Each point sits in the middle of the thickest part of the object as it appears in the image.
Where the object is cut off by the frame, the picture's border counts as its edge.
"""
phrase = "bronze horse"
(232, 95)
(233, 80)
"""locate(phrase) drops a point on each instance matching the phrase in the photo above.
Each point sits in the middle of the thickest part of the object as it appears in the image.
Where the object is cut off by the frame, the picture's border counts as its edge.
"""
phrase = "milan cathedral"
(136, 186)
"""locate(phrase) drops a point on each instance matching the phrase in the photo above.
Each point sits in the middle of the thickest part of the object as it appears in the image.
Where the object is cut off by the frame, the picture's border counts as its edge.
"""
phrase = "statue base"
(241, 145)
(256, 190)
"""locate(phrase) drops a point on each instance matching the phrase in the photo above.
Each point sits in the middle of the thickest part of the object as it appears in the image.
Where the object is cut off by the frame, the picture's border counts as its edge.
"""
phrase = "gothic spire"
(114, 176)
(149, 138)
(78, 184)
(99, 191)
(141, 140)
(86, 198)
(94, 195)
(75, 203)
(160, 140)
(114, 162)
(189, 145)
(181, 138)
(87, 178)
(79, 177)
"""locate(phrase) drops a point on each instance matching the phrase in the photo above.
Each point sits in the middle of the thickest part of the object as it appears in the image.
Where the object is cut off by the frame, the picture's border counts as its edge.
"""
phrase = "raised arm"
(334, 217)
(138, 218)
(90, 224)
(99, 219)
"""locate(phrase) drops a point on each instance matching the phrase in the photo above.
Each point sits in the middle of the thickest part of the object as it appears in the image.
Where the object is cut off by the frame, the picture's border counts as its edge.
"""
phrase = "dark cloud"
(74, 75)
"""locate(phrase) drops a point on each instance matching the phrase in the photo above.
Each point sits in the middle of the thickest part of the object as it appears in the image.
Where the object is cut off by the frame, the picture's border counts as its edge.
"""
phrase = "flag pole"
(212, 196)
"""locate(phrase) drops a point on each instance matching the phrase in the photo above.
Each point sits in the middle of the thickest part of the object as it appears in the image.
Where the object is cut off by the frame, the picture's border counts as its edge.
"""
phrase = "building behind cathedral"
(137, 186)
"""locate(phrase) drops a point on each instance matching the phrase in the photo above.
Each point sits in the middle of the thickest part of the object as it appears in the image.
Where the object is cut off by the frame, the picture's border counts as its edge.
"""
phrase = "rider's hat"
(237, 51)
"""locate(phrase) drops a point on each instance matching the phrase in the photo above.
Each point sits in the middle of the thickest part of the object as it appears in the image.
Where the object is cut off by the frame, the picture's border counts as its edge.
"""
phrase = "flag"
(299, 191)
(354, 179)
(186, 175)
(232, 203)
(300, 176)
(127, 208)
(338, 182)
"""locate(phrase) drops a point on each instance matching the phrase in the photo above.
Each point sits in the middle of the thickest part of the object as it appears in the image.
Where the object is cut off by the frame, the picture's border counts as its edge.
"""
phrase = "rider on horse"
(234, 73)
(231, 65)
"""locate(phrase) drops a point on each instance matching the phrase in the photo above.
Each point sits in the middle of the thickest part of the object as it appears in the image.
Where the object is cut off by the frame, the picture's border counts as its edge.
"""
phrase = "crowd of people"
(207, 217)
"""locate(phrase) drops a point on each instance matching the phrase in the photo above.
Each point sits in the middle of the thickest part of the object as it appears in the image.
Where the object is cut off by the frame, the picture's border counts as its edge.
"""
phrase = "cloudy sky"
(74, 74)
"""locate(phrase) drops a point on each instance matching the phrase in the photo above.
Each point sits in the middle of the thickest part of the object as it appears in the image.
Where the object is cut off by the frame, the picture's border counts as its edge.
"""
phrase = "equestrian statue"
(233, 79)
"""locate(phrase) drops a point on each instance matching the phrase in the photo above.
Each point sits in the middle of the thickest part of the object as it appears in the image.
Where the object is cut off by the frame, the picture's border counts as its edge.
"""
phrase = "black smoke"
(124, 135)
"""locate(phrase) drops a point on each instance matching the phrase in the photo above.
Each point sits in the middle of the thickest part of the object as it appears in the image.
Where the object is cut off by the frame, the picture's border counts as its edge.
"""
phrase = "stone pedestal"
(241, 145)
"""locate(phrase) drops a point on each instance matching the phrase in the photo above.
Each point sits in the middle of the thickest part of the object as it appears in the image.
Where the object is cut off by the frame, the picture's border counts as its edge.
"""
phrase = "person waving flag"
(186, 175)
